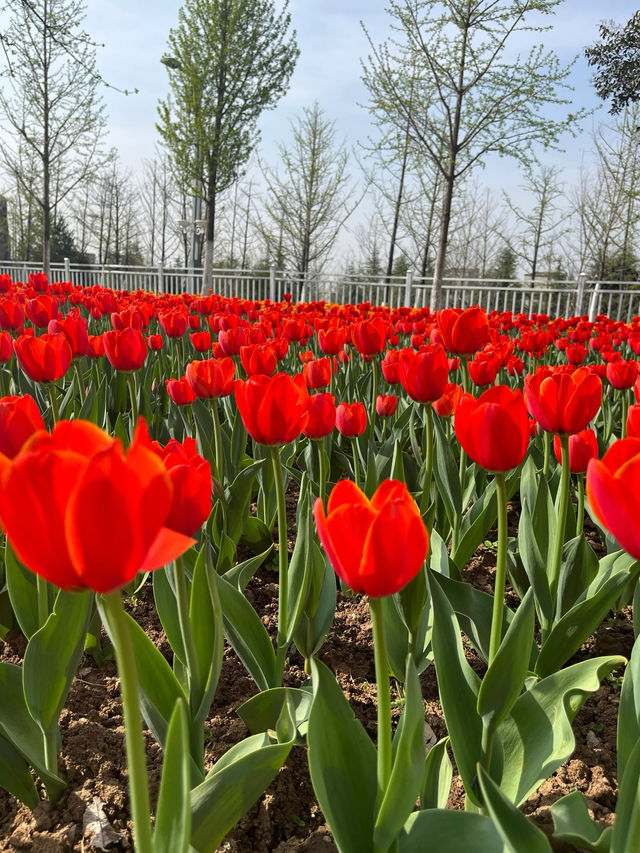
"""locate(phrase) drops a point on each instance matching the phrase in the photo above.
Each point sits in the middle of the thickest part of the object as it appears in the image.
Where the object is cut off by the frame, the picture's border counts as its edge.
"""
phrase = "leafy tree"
(63, 245)
(228, 61)
(505, 265)
(616, 58)
(50, 105)
(448, 74)
(309, 199)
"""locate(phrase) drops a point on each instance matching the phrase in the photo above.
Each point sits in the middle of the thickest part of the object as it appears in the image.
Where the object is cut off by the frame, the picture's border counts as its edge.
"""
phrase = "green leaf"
(629, 713)
(238, 499)
(535, 564)
(448, 831)
(247, 635)
(234, 784)
(261, 712)
(52, 657)
(301, 565)
(537, 735)
(205, 615)
(574, 825)
(15, 775)
(408, 765)
(445, 472)
(458, 685)
(342, 763)
(256, 535)
(626, 830)
(165, 601)
(23, 593)
(579, 568)
(173, 815)
(516, 830)
(503, 681)
(438, 773)
(241, 573)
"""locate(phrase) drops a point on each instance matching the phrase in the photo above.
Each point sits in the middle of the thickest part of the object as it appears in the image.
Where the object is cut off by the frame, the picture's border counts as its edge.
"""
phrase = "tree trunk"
(443, 238)
(207, 266)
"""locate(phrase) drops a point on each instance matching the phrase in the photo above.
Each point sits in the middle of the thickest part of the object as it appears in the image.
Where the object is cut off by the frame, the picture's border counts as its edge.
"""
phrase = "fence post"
(160, 282)
(408, 284)
(582, 278)
(594, 303)
(67, 269)
(272, 283)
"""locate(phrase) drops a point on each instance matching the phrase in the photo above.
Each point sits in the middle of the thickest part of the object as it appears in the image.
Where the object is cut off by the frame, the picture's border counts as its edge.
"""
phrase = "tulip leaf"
(458, 685)
(579, 568)
(338, 744)
(173, 814)
(438, 774)
(165, 601)
(15, 775)
(256, 535)
(238, 499)
(537, 735)
(503, 681)
(398, 639)
(261, 712)
(408, 765)
(449, 831)
(23, 593)
(52, 657)
(575, 826)
(517, 831)
(300, 566)
(241, 573)
(569, 632)
(445, 472)
(317, 618)
(629, 713)
(247, 635)
(235, 782)
(626, 830)
(535, 564)
(205, 615)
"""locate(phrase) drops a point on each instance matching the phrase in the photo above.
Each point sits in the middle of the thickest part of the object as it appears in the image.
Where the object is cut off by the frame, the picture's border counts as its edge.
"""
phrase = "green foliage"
(616, 58)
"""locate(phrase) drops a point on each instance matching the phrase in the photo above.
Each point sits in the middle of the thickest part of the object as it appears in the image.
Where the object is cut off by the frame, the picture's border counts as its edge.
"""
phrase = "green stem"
(374, 394)
(563, 500)
(283, 568)
(54, 401)
(384, 698)
(79, 379)
(322, 465)
(580, 515)
(217, 436)
(625, 410)
(356, 462)
(43, 600)
(427, 450)
(501, 568)
(131, 384)
(136, 756)
(186, 634)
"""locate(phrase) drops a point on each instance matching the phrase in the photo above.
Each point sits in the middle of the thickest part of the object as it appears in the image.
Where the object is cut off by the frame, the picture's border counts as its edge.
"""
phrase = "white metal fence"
(619, 300)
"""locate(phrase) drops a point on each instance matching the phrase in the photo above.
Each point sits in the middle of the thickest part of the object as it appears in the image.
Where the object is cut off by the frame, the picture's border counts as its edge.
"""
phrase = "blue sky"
(332, 43)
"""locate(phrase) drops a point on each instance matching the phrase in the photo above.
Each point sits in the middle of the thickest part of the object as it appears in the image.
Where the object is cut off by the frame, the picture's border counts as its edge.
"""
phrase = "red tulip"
(332, 339)
(612, 491)
(180, 391)
(484, 369)
(424, 374)
(19, 418)
(155, 342)
(376, 547)
(258, 358)
(273, 408)
(231, 340)
(391, 366)
(126, 349)
(41, 310)
(386, 405)
(11, 314)
(369, 336)
(633, 422)
(100, 512)
(494, 429)
(622, 374)
(211, 377)
(321, 416)
(463, 332)
(201, 341)
(96, 346)
(563, 402)
(583, 446)
(43, 359)
(75, 331)
(317, 373)
(192, 483)
(351, 419)
(174, 323)
(576, 354)
(446, 405)
(6, 346)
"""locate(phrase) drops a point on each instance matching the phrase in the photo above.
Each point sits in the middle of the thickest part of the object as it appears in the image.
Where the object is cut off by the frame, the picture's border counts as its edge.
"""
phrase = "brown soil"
(287, 817)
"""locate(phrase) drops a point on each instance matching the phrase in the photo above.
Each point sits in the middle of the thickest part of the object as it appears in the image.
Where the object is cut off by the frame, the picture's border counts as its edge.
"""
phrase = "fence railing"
(619, 300)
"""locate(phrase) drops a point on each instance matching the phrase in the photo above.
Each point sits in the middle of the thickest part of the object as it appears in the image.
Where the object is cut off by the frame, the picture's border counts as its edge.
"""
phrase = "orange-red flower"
(376, 546)
(43, 359)
(258, 358)
(612, 490)
(317, 373)
(446, 405)
(583, 446)
(563, 402)
(386, 405)
(494, 429)
(463, 332)
(424, 374)
(273, 408)
(321, 415)
(180, 391)
(211, 377)
(190, 476)
(351, 419)
(622, 374)
(369, 336)
(100, 512)
(125, 348)
(19, 418)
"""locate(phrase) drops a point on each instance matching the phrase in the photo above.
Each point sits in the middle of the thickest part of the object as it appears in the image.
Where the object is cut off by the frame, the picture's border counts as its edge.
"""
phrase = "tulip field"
(285, 576)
